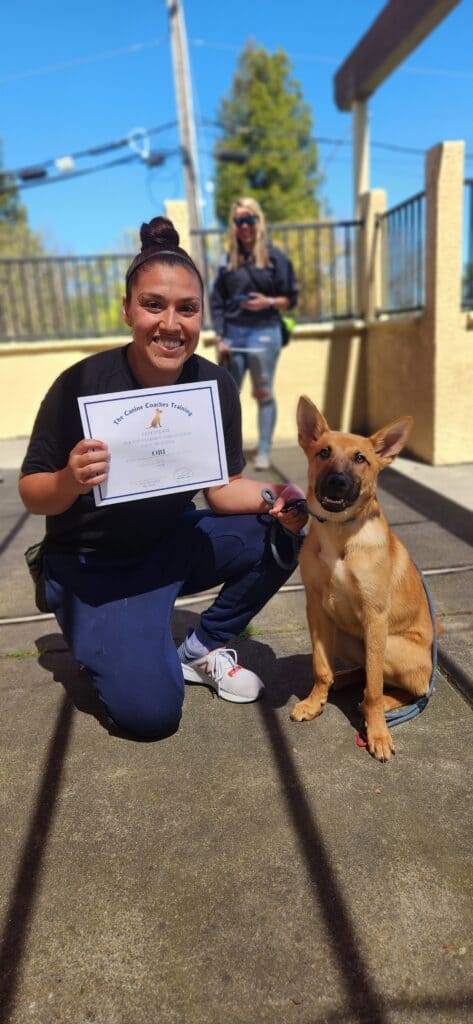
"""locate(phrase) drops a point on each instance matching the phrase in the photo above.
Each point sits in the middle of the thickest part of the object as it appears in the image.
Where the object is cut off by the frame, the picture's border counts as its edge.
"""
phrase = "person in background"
(113, 572)
(255, 283)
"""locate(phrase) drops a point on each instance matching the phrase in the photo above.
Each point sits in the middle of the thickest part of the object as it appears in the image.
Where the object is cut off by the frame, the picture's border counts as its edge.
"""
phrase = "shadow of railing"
(10, 537)
(364, 1002)
(23, 897)
(434, 506)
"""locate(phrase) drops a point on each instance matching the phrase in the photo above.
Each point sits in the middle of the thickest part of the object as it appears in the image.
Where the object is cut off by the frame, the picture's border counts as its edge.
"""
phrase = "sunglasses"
(249, 218)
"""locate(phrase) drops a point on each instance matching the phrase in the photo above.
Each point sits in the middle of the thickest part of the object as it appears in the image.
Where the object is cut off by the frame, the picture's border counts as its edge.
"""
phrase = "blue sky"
(75, 76)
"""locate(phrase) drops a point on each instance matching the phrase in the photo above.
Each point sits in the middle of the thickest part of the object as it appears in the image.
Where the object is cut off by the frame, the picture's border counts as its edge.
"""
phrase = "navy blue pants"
(115, 612)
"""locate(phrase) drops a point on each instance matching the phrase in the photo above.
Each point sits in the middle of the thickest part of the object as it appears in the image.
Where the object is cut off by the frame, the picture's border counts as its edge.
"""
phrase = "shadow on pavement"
(10, 537)
(56, 658)
(446, 512)
(23, 896)
(364, 1001)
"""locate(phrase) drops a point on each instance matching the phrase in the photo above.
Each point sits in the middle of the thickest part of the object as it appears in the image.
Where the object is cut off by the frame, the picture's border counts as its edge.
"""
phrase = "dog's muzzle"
(337, 491)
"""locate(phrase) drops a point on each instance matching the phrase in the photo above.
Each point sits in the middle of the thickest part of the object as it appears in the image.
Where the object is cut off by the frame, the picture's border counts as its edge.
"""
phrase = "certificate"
(161, 440)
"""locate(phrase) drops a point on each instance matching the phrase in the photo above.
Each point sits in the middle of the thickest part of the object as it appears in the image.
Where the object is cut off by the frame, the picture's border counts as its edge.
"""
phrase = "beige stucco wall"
(325, 363)
(453, 424)
(409, 371)
(424, 365)
(400, 379)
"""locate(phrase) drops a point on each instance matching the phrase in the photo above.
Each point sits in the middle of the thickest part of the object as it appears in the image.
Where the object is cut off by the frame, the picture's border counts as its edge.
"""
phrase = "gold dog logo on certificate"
(156, 421)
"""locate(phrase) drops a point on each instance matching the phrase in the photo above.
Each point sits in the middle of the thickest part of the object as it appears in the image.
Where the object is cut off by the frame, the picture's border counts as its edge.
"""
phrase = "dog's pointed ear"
(310, 422)
(389, 441)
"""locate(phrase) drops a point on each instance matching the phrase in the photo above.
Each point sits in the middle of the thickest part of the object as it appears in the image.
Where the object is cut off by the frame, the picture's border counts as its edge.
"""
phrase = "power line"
(327, 141)
(104, 147)
(34, 183)
(35, 174)
(312, 58)
(79, 61)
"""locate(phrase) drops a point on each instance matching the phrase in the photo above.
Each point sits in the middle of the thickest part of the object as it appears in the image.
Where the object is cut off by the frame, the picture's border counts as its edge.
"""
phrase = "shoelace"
(214, 662)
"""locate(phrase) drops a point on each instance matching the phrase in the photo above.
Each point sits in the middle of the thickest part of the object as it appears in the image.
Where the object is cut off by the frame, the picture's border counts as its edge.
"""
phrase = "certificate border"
(87, 401)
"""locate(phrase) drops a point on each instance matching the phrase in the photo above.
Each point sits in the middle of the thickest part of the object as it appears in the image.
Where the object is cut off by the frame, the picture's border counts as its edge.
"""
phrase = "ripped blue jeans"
(257, 349)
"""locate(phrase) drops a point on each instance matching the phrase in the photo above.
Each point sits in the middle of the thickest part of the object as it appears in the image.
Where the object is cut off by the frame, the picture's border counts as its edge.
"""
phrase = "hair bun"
(158, 233)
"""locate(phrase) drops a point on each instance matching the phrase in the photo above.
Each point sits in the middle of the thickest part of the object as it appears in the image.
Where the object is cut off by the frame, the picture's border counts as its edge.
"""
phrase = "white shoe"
(262, 461)
(220, 670)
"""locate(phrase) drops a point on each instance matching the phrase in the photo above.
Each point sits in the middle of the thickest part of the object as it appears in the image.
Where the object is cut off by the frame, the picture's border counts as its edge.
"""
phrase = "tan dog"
(365, 598)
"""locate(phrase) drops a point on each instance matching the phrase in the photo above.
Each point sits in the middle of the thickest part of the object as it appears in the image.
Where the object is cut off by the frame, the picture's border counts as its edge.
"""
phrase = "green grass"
(249, 632)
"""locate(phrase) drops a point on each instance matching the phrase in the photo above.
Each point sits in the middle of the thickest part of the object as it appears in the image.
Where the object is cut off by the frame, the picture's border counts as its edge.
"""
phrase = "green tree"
(16, 237)
(265, 120)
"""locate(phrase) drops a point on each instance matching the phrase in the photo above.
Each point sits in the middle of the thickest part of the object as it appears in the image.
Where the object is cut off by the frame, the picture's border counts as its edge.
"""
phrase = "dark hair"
(160, 241)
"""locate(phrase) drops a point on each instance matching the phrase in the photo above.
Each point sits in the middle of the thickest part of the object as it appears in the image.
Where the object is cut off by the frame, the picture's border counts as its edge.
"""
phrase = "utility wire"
(35, 183)
(204, 43)
(79, 61)
(11, 184)
(104, 147)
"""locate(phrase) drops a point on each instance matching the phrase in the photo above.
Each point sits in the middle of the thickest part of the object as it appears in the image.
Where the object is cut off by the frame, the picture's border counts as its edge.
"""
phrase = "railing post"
(370, 266)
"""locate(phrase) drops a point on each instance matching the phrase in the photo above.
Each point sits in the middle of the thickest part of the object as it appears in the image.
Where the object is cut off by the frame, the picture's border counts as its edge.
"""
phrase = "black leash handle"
(269, 497)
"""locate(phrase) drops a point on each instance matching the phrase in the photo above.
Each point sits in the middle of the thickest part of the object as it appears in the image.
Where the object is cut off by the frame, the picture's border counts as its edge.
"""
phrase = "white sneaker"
(262, 461)
(220, 670)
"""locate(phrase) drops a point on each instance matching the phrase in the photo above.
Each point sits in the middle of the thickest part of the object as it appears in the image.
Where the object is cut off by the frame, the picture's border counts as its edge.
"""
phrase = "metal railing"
(467, 277)
(324, 257)
(401, 236)
(64, 297)
(61, 297)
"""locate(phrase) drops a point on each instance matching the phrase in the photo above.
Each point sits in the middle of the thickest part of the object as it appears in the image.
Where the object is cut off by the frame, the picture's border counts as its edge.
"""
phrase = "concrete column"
(444, 190)
(370, 282)
(361, 153)
(178, 211)
(443, 328)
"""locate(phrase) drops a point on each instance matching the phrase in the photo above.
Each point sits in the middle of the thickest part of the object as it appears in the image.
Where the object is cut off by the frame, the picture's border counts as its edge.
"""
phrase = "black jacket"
(275, 279)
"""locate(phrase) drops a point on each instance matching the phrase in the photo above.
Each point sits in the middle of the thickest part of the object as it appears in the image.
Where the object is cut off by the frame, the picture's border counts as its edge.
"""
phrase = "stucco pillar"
(361, 153)
(178, 211)
(370, 265)
(442, 323)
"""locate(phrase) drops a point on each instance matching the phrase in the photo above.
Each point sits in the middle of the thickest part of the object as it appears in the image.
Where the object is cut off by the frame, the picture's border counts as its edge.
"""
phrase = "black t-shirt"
(132, 525)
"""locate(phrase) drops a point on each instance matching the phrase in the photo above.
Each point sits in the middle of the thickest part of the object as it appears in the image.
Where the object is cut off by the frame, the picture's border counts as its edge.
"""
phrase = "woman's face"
(246, 231)
(165, 314)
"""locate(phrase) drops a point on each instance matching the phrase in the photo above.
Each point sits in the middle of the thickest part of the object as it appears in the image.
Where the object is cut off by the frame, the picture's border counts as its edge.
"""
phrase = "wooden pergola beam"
(398, 29)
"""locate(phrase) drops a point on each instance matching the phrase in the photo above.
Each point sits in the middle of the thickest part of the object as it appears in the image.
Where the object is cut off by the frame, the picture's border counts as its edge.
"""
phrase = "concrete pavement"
(247, 869)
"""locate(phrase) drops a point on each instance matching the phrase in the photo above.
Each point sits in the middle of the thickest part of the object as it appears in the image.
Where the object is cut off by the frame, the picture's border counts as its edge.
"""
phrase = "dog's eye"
(324, 453)
(359, 457)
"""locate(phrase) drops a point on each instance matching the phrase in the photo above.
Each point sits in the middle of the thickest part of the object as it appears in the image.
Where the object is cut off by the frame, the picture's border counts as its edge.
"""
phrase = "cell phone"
(242, 296)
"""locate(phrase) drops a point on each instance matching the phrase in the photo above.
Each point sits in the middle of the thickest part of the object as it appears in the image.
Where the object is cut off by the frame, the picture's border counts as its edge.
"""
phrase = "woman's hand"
(221, 345)
(257, 301)
(293, 519)
(222, 350)
(50, 494)
(88, 464)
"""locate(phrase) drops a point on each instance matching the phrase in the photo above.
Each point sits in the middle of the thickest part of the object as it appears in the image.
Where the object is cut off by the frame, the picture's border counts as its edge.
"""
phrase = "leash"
(269, 497)
(397, 716)
(403, 714)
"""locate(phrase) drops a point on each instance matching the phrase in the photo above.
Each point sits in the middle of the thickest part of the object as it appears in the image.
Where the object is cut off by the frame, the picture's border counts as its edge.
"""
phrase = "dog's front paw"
(305, 711)
(380, 743)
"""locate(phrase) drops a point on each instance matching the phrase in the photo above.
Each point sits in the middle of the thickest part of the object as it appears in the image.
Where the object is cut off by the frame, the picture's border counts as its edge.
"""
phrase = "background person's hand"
(222, 349)
(256, 301)
(88, 464)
